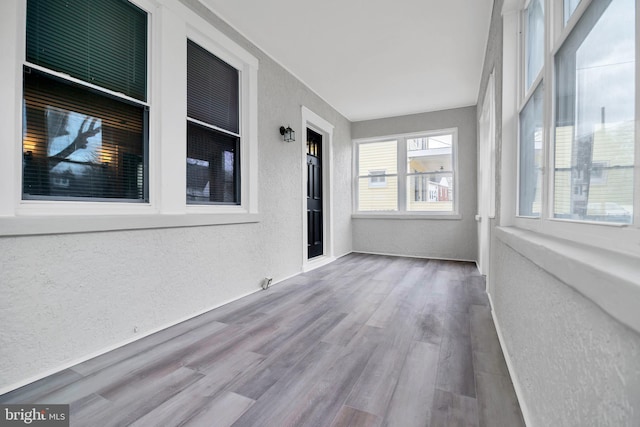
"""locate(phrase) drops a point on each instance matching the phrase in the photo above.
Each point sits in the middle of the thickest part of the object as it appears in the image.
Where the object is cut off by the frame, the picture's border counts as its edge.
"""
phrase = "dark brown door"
(314, 194)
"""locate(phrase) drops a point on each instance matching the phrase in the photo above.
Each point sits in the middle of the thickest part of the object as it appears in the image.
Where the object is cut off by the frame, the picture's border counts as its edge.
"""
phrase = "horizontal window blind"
(212, 89)
(103, 42)
(79, 143)
(213, 168)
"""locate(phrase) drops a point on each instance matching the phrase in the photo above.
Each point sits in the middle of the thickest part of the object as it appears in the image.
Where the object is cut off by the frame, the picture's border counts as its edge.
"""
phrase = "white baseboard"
(107, 349)
(514, 377)
(415, 256)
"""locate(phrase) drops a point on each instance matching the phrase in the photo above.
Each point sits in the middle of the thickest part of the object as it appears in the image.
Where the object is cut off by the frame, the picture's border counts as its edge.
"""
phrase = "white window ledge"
(396, 215)
(609, 279)
(38, 225)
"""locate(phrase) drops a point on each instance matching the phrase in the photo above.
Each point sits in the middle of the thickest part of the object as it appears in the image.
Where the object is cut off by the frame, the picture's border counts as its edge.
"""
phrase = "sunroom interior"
(131, 202)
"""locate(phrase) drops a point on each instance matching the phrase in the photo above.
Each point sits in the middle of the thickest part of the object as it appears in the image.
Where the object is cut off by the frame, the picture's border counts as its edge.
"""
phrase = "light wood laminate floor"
(365, 341)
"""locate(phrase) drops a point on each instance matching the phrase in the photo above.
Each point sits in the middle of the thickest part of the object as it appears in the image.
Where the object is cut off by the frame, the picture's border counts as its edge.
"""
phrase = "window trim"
(401, 212)
(169, 24)
(582, 268)
(615, 237)
(538, 84)
(609, 252)
(90, 206)
(523, 22)
(226, 132)
(525, 95)
(247, 66)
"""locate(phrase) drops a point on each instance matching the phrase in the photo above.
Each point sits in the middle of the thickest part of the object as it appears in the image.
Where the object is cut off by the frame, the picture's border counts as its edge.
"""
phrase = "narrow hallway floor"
(367, 340)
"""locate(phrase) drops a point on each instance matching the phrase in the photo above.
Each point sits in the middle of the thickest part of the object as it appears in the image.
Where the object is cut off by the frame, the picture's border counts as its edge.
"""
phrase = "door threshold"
(317, 262)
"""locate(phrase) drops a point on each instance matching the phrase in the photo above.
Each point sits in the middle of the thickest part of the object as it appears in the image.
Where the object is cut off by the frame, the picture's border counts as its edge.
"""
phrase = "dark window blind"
(212, 89)
(81, 144)
(103, 42)
(212, 166)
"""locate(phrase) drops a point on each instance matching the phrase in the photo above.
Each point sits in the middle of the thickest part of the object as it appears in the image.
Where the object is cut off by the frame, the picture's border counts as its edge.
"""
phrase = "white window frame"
(402, 175)
(599, 260)
(38, 202)
(170, 23)
(617, 237)
(525, 95)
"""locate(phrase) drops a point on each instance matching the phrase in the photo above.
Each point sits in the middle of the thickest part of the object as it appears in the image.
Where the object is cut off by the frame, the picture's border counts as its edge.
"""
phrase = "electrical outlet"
(266, 282)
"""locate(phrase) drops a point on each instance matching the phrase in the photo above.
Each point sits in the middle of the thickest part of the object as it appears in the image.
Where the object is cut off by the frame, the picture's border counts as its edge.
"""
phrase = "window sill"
(413, 215)
(41, 225)
(609, 279)
(573, 221)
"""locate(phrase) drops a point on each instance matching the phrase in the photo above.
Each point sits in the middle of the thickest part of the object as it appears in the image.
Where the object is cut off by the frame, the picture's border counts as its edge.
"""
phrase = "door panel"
(314, 194)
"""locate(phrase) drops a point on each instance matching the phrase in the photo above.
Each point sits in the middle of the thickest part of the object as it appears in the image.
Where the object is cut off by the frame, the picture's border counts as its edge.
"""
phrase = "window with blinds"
(85, 115)
(213, 139)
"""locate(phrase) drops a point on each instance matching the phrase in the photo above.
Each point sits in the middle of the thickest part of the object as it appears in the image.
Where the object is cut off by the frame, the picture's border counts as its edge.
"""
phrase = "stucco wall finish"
(576, 365)
(430, 238)
(572, 364)
(67, 297)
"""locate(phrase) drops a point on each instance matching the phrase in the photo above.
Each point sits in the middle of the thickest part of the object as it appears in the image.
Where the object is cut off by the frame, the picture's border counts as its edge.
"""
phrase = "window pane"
(595, 111)
(377, 191)
(378, 198)
(534, 40)
(79, 143)
(213, 166)
(430, 192)
(569, 8)
(103, 42)
(432, 159)
(378, 156)
(531, 130)
(212, 89)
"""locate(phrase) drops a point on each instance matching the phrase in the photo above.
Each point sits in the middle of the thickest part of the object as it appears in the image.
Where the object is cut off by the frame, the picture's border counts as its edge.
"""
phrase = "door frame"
(486, 176)
(324, 128)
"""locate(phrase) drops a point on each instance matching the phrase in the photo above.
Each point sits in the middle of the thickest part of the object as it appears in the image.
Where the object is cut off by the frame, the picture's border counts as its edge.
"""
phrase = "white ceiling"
(372, 58)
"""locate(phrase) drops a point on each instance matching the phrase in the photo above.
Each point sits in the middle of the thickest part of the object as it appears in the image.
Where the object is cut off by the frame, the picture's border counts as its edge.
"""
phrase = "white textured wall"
(65, 297)
(433, 238)
(576, 365)
(573, 364)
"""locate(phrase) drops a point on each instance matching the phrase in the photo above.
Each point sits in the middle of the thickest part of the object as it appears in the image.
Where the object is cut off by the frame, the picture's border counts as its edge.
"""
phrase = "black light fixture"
(287, 133)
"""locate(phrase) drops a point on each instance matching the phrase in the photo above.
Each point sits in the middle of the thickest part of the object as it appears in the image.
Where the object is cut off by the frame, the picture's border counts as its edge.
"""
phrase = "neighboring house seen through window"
(407, 174)
(595, 116)
(373, 158)
(585, 142)
(430, 173)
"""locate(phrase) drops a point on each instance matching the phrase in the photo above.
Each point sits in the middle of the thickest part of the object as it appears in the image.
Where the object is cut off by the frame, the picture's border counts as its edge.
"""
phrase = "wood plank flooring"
(365, 341)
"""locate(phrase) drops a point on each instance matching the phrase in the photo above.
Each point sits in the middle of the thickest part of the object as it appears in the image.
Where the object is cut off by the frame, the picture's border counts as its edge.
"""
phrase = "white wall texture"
(66, 297)
(572, 363)
(575, 364)
(430, 238)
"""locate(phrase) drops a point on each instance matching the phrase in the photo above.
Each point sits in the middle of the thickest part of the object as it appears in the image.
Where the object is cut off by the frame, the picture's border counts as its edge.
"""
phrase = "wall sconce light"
(287, 133)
